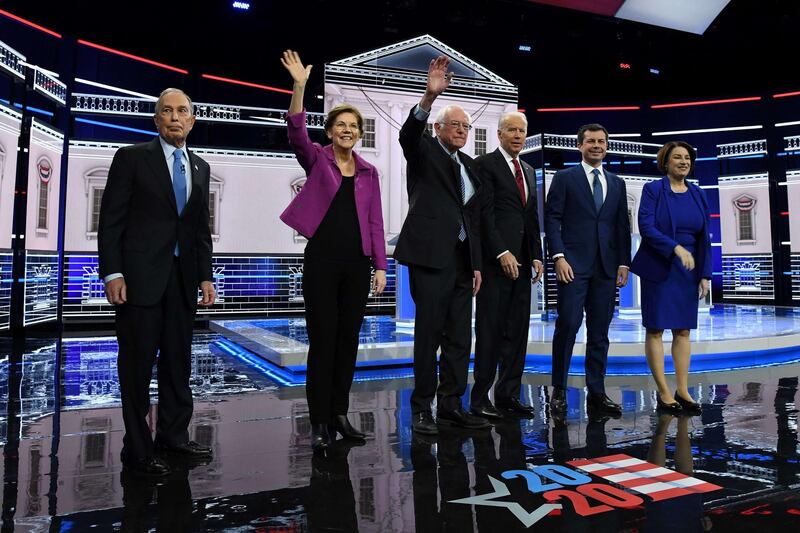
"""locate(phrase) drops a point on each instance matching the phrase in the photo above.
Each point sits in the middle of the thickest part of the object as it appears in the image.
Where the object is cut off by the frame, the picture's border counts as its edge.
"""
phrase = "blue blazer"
(575, 228)
(657, 227)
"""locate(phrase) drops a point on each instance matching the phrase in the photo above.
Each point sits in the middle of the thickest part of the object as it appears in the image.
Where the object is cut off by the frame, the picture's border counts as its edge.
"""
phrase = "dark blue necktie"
(598, 190)
(462, 232)
(179, 185)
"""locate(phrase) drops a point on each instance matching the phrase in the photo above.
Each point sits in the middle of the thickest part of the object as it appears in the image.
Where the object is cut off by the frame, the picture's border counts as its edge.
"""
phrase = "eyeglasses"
(456, 125)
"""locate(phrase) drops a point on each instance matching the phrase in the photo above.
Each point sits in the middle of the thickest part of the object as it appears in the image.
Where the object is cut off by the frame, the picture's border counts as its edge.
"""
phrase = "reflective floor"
(735, 468)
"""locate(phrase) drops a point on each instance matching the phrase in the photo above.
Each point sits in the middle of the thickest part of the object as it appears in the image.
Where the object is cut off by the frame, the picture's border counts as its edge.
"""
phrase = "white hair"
(443, 112)
(511, 114)
(170, 90)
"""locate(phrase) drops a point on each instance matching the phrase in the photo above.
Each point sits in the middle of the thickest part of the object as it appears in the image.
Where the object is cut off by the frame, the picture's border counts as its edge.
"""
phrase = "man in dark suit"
(512, 258)
(589, 240)
(154, 244)
(440, 244)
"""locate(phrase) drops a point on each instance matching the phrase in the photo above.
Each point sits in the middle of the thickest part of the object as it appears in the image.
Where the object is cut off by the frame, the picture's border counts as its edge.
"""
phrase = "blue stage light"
(525, 48)
(655, 71)
(242, 6)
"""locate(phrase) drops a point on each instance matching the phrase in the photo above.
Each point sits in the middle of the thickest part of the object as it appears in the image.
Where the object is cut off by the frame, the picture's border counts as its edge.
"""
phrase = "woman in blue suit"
(674, 263)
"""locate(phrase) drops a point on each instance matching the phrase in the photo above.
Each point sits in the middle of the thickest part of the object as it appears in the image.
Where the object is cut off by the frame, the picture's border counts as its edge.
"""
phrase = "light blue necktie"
(598, 190)
(179, 185)
(462, 232)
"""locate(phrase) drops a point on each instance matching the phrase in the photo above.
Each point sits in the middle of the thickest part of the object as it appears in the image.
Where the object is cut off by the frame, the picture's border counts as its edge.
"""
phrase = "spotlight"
(655, 71)
(525, 48)
(241, 6)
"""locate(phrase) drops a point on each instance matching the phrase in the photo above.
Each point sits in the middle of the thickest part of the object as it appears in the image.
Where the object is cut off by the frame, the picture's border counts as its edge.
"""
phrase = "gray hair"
(443, 112)
(169, 90)
(511, 114)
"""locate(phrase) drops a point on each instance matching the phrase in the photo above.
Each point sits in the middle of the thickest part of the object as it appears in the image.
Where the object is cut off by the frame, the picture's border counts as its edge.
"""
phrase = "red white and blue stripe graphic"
(655, 481)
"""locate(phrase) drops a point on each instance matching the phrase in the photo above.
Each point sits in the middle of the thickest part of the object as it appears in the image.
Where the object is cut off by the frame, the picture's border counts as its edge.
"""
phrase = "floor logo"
(587, 497)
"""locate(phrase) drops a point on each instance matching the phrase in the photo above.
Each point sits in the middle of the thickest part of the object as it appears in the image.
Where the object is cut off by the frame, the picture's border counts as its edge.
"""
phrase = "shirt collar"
(508, 156)
(170, 149)
(448, 152)
(587, 169)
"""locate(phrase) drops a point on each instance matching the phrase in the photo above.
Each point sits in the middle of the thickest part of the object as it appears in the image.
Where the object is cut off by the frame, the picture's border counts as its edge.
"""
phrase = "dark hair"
(663, 154)
(590, 127)
(344, 108)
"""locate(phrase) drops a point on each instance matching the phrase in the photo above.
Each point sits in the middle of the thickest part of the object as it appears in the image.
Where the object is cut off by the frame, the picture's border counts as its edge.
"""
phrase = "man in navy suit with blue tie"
(589, 239)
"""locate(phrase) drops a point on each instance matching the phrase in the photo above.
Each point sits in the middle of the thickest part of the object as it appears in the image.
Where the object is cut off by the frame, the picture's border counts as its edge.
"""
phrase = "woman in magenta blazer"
(339, 212)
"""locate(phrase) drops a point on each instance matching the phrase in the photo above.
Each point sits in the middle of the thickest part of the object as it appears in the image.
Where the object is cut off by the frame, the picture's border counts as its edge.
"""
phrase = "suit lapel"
(196, 179)
(530, 178)
(158, 165)
(583, 185)
(612, 186)
(505, 170)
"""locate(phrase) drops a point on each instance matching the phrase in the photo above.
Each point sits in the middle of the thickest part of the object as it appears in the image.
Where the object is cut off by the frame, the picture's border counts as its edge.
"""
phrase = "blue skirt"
(672, 303)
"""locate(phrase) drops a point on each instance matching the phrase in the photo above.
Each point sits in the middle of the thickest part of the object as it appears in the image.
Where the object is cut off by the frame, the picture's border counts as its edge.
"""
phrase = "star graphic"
(500, 490)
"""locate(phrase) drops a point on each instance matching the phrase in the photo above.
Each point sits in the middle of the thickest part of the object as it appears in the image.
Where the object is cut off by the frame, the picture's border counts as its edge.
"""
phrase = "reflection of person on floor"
(596, 446)
(596, 441)
(674, 264)
(511, 456)
(339, 212)
(447, 472)
(331, 505)
(172, 494)
(685, 513)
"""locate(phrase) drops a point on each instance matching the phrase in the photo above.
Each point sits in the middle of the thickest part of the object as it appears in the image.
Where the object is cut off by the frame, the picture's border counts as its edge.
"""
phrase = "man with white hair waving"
(440, 243)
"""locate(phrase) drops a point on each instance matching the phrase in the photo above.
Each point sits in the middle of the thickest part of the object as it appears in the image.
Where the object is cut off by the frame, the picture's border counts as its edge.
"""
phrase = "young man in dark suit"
(589, 240)
(154, 244)
(512, 259)
(440, 243)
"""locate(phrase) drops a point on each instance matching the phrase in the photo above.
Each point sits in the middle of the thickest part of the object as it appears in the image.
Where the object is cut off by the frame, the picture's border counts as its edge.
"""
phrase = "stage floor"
(728, 336)
(61, 432)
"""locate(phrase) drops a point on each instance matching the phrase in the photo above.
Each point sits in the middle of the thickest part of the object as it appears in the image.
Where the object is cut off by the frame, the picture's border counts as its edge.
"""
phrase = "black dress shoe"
(601, 402)
(424, 424)
(320, 439)
(689, 407)
(515, 406)
(152, 466)
(188, 449)
(673, 408)
(342, 425)
(558, 402)
(460, 418)
(487, 411)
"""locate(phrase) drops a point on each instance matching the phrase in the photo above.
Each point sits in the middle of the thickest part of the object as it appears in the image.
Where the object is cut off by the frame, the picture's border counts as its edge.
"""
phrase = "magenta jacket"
(308, 208)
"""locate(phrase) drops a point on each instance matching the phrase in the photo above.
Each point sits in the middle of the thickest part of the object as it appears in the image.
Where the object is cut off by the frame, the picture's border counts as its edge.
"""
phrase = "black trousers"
(335, 295)
(443, 299)
(502, 319)
(143, 331)
(595, 293)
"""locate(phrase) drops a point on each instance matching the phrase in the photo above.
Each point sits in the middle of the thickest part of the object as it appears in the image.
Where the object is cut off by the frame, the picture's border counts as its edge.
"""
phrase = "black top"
(338, 236)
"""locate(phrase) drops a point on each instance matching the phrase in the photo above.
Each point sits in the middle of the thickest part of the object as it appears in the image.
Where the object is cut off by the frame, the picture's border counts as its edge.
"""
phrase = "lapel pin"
(196, 168)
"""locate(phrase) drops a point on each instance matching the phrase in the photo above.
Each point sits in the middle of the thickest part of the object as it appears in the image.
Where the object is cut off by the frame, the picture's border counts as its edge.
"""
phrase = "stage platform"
(61, 434)
(727, 337)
